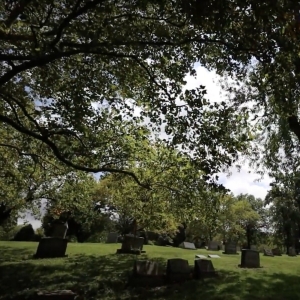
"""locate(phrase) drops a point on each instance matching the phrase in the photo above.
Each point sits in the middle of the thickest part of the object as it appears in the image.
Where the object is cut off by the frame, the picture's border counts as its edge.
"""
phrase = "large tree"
(70, 69)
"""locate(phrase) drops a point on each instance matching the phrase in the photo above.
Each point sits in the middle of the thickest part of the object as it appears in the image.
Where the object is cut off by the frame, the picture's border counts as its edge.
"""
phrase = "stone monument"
(55, 245)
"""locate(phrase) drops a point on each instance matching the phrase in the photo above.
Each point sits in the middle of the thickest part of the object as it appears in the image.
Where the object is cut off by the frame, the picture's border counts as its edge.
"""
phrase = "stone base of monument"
(55, 295)
(51, 247)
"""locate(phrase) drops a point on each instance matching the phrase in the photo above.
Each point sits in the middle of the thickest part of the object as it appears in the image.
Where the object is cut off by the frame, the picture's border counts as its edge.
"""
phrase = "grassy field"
(95, 272)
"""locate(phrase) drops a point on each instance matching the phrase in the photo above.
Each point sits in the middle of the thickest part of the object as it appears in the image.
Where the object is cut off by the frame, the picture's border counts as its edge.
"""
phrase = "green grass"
(95, 272)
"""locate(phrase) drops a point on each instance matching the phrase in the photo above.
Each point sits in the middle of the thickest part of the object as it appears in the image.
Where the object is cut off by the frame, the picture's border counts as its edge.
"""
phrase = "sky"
(239, 181)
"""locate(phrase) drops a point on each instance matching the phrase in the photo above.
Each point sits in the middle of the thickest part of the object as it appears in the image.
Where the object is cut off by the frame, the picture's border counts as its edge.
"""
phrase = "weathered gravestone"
(250, 259)
(112, 238)
(213, 246)
(204, 268)
(268, 252)
(146, 273)
(292, 252)
(187, 245)
(132, 245)
(230, 248)
(56, 245)
(55, 295)
(51, 247)
(276, 252)
(178, 270)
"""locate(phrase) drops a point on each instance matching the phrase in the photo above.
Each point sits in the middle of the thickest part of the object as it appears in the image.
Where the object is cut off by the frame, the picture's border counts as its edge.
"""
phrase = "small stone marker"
(250, 259)
(268, 252)
(213, 246)
(204, 268)
(199, 256)
(276, 252)
(213, 256)
(292, 252)
(51, 247)
(178, 270)
(230, 248)
(112, 238)
(187, 245)
(55, 295)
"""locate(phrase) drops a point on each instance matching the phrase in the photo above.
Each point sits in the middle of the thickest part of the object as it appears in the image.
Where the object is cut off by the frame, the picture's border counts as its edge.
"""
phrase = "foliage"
(25, 233)
(83, 77)
(178, 191)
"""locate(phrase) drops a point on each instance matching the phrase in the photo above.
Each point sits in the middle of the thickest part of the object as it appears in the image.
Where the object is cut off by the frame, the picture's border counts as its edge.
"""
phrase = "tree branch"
(60, 156)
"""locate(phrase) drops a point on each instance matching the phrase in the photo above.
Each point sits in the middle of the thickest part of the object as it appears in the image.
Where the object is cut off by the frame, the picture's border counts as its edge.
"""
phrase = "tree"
(178, 190)
(70, 69)
(28, 174)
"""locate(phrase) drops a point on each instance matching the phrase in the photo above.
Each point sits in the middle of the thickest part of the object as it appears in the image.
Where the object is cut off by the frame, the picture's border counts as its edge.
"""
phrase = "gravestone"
(187, 245)
(268, 252)
(203, 268)
(55, 295)
(213, 256)
(230, 248)
(51, 247)
(200, 256)
(59, 230)
(253, 247)
(250, 259)
(112, 238)
(146, 273)
(276, 252)
(178, 270)
(132, 245)
(292, 252)
(213, 246)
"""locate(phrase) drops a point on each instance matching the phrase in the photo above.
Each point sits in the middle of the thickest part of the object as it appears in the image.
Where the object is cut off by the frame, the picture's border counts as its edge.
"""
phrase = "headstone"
(276, 252)
(146, 273)
(112, 238)
(204, 269)
(213, 256)
(51, 247)
(132, 245)
(187, 245)
(250, 259)
(199, 256)
(59, 230)
(253, 247)
(268, 252)
(230, 248)
(55, 295)
(146, 268)
(213, 246)
(178, 270)
(292, 252)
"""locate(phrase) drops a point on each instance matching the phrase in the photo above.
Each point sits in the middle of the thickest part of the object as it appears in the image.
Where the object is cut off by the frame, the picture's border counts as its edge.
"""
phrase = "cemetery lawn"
(95, 272)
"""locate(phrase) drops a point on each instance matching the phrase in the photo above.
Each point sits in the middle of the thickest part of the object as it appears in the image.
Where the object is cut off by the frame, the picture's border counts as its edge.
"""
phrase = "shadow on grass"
(105, 277)
(10, 254)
